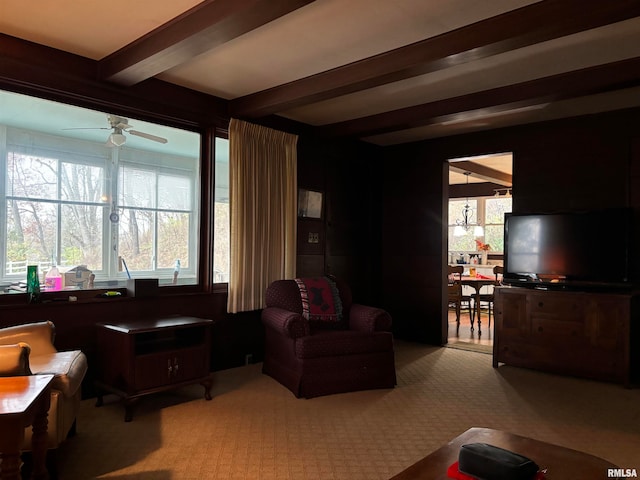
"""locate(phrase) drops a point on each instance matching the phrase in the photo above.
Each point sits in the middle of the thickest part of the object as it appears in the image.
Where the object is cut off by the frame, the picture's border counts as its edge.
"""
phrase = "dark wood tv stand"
(140, 357)
(586, 334)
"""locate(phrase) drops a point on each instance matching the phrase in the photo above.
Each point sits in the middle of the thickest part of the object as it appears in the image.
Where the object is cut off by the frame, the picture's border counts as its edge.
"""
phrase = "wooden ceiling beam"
(538, 22)
(482, 171)
(501, 100)
(202, 28)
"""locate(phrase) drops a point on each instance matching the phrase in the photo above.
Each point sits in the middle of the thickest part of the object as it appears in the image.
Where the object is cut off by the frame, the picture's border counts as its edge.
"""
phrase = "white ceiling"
(326, 34)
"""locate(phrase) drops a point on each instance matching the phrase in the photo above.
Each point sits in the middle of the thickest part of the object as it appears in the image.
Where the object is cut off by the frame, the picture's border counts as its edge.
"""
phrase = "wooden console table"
(586, 334)
(141, 357)
(561, 463)
(24, 401)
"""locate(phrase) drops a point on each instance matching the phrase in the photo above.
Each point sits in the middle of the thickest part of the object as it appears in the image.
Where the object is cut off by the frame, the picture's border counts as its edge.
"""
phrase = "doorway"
(480, 193)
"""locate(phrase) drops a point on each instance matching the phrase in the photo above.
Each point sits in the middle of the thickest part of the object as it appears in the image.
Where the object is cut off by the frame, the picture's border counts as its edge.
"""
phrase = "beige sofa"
(29, 348)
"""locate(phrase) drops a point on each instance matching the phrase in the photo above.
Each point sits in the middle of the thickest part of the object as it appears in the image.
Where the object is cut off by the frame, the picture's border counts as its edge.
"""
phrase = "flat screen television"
(568, 250)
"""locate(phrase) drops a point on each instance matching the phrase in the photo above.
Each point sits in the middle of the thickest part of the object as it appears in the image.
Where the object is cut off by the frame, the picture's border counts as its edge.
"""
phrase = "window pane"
(136, 239)
(222, 224)
(495, 208)
(32, 177)
(465, 242)
(82, 236)
(82, 183)
(31, 232)
(173, 239)
(174, 192)
(137, 187)
(494, 236)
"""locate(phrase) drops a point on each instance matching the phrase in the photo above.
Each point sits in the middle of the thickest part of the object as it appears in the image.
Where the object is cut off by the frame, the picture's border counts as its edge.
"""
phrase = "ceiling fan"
(120, 125)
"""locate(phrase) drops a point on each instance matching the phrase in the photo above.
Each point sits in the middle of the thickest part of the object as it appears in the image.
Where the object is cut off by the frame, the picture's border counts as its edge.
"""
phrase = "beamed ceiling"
(386, 72)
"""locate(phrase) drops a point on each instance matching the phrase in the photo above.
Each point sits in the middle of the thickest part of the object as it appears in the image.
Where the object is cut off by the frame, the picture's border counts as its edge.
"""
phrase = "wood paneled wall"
(413, 239)
(350, 176)
(572, 164)
(382, 229)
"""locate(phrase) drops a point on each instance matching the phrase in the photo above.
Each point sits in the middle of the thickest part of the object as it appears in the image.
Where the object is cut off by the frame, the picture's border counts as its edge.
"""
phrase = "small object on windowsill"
(176, 272)
(110, 294)
(17, 287)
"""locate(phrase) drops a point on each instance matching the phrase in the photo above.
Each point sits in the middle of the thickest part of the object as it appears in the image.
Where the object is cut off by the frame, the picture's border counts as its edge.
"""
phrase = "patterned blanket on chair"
(320, 299)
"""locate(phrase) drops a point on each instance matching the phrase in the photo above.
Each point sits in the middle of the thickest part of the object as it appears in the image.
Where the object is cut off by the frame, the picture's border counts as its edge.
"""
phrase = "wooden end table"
(141, 357)
(24, 401)
(561, 463)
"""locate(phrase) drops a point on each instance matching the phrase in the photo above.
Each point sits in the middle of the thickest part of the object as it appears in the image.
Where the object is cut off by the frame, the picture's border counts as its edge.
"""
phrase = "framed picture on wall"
(309, 203)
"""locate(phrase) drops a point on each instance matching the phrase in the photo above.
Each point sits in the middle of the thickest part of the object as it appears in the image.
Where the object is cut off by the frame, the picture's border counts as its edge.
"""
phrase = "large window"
(221, 246)
(80, 188)
(486, 212)
(494, 210)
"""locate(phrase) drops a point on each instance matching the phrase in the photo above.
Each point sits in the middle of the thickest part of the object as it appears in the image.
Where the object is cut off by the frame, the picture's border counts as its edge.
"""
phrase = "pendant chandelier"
(466, 222)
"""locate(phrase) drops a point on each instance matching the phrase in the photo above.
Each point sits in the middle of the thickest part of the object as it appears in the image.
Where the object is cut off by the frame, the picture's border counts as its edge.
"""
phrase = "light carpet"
(254, 428)
(472, 347)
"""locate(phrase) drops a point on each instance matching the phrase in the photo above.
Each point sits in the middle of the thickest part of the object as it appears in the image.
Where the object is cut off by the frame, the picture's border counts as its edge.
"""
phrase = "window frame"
(78, 155)
(480, 214)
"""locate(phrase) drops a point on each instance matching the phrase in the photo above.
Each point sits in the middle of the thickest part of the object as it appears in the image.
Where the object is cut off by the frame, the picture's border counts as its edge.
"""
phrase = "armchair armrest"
(289, 324)
(14, 360)
(40, 336)
(368, 319)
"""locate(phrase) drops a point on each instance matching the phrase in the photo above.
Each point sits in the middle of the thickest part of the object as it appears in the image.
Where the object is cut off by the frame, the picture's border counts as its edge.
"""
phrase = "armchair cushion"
(369, 319)
(320, 299)
(39, 336)
(338, 343)
(289, 324)
(285, 294)
(69, 369)
(14, 360)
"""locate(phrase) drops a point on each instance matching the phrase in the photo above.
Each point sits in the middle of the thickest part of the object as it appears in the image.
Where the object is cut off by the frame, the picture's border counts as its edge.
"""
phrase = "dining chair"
(455, 296)
(486, 299)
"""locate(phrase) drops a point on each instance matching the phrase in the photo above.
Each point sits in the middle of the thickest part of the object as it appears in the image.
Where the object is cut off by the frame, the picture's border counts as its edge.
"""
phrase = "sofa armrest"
(14, 360)
(40, 336)
(289, 324)
(363, 318)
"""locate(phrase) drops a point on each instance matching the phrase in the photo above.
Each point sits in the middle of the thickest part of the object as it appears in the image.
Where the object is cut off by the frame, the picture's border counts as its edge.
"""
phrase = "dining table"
(477, 283)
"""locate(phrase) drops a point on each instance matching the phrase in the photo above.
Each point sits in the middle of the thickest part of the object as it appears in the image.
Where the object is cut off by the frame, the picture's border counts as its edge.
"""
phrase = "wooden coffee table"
(561, 463)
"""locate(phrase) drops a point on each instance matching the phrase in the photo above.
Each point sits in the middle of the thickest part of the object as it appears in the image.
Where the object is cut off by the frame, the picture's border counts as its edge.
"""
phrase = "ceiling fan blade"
(148, 136)
(87, 128)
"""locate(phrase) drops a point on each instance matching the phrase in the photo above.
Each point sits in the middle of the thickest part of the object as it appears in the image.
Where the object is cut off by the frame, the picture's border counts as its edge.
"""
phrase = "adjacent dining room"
(480, 193)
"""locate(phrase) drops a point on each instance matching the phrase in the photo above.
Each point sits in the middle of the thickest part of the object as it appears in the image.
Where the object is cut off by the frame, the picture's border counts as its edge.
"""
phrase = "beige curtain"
(262, 197)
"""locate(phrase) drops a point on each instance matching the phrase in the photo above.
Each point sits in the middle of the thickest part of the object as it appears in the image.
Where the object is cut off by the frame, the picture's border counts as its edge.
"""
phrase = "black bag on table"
(487, 462)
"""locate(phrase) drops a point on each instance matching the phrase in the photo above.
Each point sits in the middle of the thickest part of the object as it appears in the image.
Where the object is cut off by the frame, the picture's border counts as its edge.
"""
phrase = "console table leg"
(129, 404)
(207, 389)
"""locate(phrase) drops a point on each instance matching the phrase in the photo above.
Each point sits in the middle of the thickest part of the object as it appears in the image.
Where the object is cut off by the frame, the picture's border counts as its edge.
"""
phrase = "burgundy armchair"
(313, 357)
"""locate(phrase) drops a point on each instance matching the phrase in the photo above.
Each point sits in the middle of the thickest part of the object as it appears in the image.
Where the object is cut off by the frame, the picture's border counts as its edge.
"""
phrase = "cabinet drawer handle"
(175, 366)
(169, 368)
